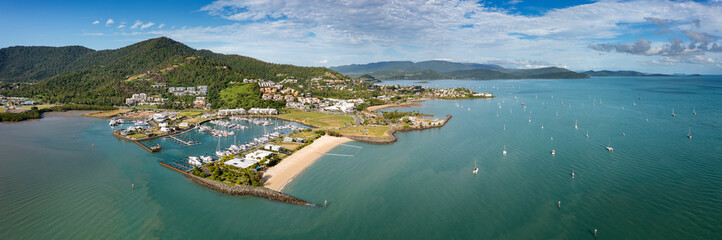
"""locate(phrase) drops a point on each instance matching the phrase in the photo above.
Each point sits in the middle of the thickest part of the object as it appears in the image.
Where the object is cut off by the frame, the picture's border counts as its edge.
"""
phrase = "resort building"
(240, 162)
(258, 155)
(272, 147)
(263, 111)
(226, 112)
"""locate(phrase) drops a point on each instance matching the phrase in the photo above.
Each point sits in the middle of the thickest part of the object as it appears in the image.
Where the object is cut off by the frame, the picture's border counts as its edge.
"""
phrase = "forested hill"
(85, 76)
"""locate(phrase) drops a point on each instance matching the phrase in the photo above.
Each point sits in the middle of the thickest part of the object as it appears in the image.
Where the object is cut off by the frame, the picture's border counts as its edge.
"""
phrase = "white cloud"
(122, 25)
(147, 25)
(323, 61)
(93, 34)
(376, 30)
(136, 24)
(96, 22)
(161, 25)
(109, 22)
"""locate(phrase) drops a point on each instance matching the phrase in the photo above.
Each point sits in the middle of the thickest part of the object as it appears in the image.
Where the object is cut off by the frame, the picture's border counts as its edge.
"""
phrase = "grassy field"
(41, 106)
(375, 131)
(189, 113)
(3, 109)
(289, 146)
(107, 114)
(323, 120)
(137, 136)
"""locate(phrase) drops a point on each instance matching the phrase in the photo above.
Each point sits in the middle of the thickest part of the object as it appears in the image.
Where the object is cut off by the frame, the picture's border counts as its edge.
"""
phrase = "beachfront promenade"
(278, 176)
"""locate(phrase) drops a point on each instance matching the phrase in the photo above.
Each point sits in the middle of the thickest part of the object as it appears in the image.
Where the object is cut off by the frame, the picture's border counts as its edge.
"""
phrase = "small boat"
(673, 115)
(587, 133)
(554, 152)
(504, 151)
(476, 169)
(530, 118)
(542, 127)
(575, 125)
(572, 173)
(689, 133)
(609, 146)
(504, 127)
(694, 111)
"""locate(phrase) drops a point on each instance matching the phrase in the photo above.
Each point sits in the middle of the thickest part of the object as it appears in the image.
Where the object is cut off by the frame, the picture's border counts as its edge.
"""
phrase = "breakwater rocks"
(249, 190)
(392, 137)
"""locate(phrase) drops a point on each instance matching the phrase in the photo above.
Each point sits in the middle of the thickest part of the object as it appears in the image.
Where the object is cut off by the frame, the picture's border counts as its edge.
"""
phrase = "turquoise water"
(67, 177)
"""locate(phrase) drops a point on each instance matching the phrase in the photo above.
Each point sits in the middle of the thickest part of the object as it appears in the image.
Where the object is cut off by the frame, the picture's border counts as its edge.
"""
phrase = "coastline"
(404, 105)
(278, 176)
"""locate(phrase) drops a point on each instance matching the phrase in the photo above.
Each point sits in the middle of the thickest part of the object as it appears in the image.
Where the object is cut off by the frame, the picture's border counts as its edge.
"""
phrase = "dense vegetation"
(36, 113)
(36, 63)
(245, 96)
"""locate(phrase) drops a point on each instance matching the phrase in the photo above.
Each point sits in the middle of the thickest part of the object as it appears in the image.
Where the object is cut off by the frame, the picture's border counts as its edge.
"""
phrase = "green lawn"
(375, 131)
(3, 109)
(137, 136)
(324, 120)
(190, 113)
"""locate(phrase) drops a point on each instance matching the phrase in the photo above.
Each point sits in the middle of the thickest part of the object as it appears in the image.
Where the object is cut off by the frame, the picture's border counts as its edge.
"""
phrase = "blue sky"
(643, 35)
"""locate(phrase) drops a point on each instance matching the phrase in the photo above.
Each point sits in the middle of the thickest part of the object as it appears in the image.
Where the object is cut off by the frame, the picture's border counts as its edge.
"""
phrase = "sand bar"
(277, 176)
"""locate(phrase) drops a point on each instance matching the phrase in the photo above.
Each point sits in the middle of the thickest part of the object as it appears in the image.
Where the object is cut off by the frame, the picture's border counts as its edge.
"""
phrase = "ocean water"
(68, 177)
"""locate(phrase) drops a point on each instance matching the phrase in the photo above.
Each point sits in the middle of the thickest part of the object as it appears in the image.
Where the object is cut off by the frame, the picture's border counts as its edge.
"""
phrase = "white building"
(258, 155)
(240, 162)
(273, 147)
(263, 111)
(224, 112)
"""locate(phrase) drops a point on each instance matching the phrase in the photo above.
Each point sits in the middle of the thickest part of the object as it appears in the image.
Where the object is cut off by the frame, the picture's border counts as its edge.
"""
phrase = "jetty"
(152, 149)
(183, 141)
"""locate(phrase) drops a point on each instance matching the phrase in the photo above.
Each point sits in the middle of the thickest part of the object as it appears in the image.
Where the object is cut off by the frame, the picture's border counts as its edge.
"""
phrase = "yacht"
(476, 169)
(575, 125)
(689, 133)
(554, 152)
(572, 173)
(504, 151)
(609, 146)
(587, 133)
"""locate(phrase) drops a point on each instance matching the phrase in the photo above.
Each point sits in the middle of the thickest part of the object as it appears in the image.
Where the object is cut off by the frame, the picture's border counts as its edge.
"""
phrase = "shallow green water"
(64, 177)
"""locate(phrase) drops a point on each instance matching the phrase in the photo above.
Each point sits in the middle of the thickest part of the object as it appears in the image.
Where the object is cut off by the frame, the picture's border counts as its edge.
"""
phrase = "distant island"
(608, 73)
(435, 70)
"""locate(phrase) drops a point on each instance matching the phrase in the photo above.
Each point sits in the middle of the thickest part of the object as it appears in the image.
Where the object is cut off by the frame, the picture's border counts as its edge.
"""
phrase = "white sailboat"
(689, 133)
(587, 133)
(694, 111)
(609, 145)
(476, 169)
(553, 152)
(673, 115)
(575, 125)
(504, 151)
(572, 173)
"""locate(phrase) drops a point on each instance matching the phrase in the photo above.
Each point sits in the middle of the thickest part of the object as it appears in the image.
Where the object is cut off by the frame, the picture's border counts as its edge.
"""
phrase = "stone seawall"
(248, 190)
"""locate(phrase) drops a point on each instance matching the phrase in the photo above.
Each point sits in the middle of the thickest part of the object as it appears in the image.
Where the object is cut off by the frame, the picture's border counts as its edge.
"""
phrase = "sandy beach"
(277, 176)
(374, 108)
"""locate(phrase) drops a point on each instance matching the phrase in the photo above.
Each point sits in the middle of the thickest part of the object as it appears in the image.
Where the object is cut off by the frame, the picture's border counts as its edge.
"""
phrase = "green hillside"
(86, 76)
